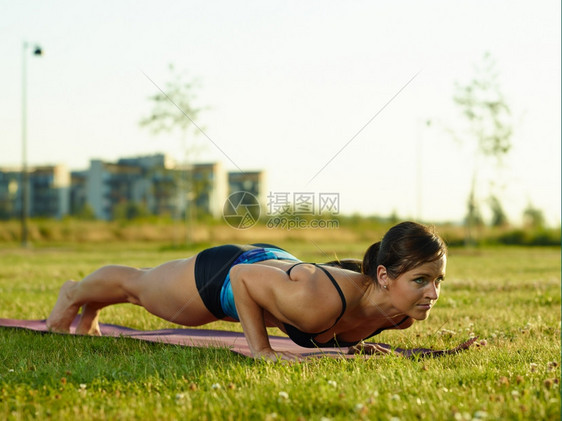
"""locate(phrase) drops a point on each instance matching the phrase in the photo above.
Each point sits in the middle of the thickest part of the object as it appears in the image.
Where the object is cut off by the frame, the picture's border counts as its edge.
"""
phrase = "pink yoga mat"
(234, 341)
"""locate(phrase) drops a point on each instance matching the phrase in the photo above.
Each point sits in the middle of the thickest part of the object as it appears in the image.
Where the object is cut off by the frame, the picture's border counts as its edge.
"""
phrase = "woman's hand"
(370, 349)
(269, 354)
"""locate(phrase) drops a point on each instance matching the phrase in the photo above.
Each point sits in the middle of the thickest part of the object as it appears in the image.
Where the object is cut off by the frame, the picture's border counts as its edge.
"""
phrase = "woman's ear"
(382, 276)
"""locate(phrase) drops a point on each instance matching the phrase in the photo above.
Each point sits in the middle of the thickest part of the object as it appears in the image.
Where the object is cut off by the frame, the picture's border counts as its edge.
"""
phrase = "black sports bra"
(307, 340)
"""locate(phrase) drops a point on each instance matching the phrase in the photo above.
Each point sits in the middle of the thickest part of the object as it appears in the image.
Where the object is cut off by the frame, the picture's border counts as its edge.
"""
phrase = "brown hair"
(404, 247)
(349, 264)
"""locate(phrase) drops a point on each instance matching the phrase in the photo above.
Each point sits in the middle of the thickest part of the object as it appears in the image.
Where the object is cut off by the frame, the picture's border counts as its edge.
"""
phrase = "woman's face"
(415, 292)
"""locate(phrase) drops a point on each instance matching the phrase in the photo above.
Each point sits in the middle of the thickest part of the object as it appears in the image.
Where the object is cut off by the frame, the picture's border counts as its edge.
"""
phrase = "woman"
(338, 304)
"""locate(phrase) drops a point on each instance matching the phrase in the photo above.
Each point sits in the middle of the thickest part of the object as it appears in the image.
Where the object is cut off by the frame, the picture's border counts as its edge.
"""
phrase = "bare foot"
(93, 330)
(88, 324)
(64, 311)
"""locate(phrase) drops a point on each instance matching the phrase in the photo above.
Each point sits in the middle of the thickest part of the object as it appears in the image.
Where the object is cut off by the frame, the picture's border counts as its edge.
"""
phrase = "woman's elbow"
(237, 274)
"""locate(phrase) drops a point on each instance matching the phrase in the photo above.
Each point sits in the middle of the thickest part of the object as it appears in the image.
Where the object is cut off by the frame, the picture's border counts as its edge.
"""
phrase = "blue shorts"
(212, 273)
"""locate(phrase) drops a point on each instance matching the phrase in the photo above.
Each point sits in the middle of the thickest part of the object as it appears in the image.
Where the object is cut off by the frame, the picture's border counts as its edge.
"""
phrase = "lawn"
(509, 297)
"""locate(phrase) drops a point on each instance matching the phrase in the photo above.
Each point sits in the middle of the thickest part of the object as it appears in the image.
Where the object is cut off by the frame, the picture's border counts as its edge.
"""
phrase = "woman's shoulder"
(316, 298)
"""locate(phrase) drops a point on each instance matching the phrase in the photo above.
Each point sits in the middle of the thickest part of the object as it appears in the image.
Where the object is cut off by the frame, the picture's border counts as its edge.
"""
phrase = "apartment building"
(152, 182)
(249, 181)
(48, 193)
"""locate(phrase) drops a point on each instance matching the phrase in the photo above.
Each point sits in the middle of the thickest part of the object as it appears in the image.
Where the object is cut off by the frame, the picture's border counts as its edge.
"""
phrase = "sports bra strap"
(296, 264)
(336, 285)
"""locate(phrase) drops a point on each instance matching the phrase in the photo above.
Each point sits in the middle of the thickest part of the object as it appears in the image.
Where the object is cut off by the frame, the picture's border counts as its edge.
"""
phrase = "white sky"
(287, 84)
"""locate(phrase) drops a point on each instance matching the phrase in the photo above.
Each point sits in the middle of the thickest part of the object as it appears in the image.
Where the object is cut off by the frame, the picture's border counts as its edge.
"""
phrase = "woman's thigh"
(169, 291)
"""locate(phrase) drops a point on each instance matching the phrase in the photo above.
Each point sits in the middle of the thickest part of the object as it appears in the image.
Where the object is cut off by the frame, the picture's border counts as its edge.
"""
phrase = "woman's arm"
(259, 288)
(251, 316)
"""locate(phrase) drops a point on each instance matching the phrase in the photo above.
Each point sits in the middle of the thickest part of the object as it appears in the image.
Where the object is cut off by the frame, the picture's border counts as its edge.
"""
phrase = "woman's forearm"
(254, 295)
(251, 317)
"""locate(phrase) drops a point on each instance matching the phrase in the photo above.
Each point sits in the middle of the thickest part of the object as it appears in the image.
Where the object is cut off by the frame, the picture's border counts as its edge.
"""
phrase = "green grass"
(508, 296)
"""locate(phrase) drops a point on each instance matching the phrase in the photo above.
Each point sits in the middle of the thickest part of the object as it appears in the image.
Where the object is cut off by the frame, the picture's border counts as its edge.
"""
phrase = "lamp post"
(37, 51)
(419, 171)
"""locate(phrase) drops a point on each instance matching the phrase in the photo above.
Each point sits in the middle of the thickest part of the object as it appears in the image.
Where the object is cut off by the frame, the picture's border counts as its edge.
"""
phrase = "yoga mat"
(234, 341)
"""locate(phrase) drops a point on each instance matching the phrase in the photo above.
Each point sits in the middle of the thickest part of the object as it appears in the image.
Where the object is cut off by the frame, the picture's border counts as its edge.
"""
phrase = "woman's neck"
(375, 304)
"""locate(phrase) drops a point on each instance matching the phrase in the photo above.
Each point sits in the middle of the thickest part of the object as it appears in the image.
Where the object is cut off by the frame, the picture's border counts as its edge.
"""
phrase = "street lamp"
(419, 172)
(37, 51)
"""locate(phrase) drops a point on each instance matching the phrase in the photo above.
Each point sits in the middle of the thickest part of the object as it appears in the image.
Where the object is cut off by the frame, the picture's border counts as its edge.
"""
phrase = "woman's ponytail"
(349, 264)
(370, 261)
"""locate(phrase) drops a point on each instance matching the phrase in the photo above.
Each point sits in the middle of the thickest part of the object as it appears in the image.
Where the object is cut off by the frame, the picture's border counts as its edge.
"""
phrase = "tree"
(499, 218)
(173, 110)
(128, 211)
(533, 218)
(489, 129)
(86, 213)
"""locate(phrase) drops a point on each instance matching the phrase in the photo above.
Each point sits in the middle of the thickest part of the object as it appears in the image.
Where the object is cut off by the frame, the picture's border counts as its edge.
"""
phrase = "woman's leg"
(167, 291)
(89, 319)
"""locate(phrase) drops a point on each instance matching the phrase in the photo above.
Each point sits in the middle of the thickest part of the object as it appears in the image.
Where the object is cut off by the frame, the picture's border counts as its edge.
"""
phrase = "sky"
(325, 96)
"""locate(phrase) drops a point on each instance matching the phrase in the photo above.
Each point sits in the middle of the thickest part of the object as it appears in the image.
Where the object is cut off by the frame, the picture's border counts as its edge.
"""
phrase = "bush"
(541, 237)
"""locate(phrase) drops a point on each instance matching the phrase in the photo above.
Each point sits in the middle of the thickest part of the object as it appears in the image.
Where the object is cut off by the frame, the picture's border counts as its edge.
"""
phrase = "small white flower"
(395, 419)
(515, 394)
(359, 407)
(332, 383)
(480, 414)
(216, 386)
(283, 395)
(179, 396)
(10, 370)
(82, 386)
(418, 401)
(464, 416)
(395, 397)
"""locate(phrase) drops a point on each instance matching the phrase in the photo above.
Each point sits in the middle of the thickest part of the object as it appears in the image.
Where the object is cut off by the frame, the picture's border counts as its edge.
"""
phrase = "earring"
(385, 287)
